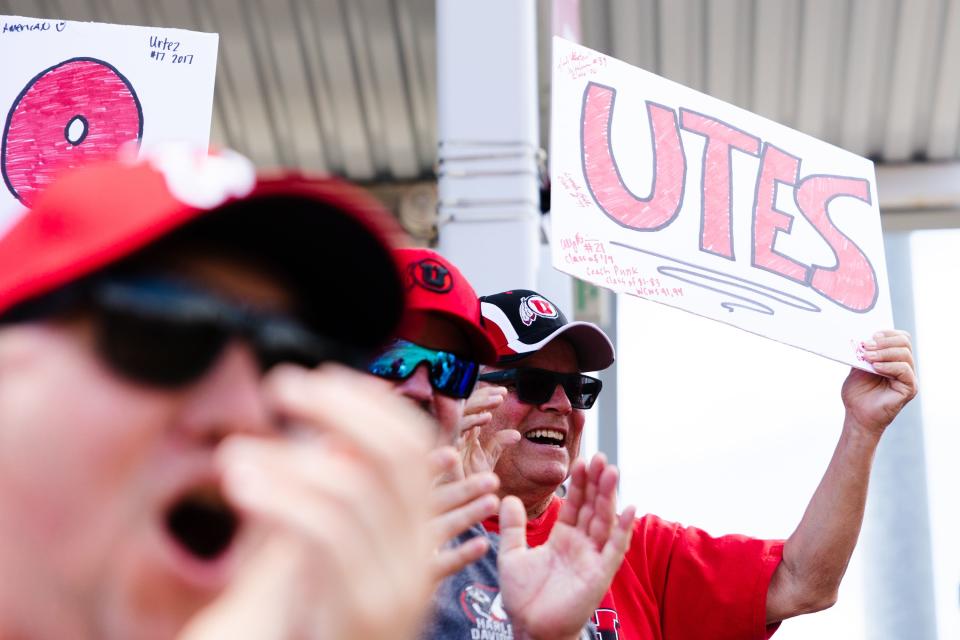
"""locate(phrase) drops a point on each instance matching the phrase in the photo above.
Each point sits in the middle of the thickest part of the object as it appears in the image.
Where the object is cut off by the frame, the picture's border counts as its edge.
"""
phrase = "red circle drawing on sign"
(76, 111)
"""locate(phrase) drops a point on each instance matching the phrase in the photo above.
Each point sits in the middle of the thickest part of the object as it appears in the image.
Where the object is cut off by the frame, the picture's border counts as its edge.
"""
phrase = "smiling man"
(493, 587)
(678, 583)
(165, 440)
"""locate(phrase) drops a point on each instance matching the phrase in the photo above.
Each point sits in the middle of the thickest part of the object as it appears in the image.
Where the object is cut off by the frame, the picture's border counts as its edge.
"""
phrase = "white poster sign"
(662, 192)
(71, 92)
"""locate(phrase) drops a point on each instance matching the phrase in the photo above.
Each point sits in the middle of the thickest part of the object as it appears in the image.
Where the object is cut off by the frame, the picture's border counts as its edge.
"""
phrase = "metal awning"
(348, 86)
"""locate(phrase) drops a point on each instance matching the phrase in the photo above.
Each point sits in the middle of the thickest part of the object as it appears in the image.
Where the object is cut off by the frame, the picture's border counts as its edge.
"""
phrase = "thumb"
(503, 439)
(513, 525)
(442, 464)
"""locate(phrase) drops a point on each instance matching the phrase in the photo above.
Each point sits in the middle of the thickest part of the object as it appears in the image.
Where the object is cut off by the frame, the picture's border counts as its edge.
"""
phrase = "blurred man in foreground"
(170, 460)
(537, 594)
(677, 582)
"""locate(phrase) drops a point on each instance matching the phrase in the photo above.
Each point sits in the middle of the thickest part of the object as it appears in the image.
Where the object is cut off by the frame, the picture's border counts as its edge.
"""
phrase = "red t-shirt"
(678, 583)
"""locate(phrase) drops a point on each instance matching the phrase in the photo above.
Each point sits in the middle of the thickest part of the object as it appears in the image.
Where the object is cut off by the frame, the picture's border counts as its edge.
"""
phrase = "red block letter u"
(602, 174)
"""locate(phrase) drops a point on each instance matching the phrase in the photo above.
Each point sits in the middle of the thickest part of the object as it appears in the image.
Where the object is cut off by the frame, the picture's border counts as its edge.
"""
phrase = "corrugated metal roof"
(877, 77)
(349, 86)
(346, 87)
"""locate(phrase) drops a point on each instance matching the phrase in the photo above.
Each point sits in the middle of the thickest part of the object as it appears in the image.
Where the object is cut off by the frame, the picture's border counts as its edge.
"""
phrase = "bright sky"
(731, 432)
(936, 271)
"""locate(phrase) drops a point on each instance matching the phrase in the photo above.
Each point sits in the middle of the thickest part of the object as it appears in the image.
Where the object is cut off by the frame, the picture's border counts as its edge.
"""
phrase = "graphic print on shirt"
(608, 624)
(483, 607)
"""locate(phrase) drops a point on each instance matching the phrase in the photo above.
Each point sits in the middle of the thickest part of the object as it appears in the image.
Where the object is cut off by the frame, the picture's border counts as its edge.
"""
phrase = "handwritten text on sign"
(81, 91)
(730, 215)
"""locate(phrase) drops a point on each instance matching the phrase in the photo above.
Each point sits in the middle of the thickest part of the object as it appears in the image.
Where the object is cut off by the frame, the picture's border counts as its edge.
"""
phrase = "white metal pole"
(488, 129)
(898, 559)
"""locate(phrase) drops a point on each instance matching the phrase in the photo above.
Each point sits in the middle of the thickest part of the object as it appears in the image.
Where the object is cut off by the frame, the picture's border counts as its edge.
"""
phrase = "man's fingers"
(326, 497)
(889, 346)
(482, 456)
(293, 484)
(513, 525)
(616, 547)
(473, 457)
(324, 518)
(888, 338)
(597, 464)
(605, 507)
(889, 354)
(485, 398)
(336, 400)
(576, 493)
(452, 523)
(500, 441)
(441, 461)
(449, 561)
(474, 421)
(449, 496)
(901, 373)
(478, 412)
(389, 432)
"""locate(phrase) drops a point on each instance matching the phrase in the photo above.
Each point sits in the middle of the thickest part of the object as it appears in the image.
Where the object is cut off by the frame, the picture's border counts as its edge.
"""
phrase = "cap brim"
(333, 239)
(335, 254)
(483, 349)
(594, 350)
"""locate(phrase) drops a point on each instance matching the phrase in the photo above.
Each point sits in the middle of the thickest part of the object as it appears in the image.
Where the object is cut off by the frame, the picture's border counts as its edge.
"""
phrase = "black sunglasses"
(168, 333)
(450, 374)
(536, 386)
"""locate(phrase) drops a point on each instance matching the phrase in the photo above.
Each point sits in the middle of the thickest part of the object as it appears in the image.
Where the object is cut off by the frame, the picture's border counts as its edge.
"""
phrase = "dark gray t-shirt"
(467, 605)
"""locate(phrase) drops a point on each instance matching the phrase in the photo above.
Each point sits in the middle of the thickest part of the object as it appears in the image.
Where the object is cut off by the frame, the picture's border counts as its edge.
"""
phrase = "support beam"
(919, 196)
(896, 544)
(488, 123)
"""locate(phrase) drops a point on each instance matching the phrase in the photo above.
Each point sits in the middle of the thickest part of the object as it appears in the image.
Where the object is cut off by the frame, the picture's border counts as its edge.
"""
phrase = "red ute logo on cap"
(431, 275)
(533, 306)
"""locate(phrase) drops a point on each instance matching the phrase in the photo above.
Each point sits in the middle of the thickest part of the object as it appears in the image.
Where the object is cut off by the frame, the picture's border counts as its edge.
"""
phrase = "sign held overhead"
(663, 192)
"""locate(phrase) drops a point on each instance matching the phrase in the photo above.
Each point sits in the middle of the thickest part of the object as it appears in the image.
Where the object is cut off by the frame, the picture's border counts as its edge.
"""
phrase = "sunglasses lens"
(280, 341)
(453, 376)
(270, 356)
(582, 391)
(157, 351)
(535, 386)
(450, 374)
(168, 334)
(398, 361)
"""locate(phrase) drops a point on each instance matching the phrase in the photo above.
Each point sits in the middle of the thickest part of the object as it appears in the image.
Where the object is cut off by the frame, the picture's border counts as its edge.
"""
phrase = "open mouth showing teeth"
(545, 436)
(202, 523)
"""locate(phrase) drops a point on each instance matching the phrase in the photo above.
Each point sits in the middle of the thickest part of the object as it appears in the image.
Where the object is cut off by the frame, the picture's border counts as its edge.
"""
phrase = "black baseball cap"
(521, 322)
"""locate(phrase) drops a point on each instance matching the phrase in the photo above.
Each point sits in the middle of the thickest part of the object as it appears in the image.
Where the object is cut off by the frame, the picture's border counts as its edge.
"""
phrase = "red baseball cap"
(332, 239)
(521, 322)
(434, 285)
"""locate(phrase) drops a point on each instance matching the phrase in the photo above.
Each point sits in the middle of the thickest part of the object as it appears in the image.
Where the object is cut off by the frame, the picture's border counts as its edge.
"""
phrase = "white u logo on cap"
(533, 306)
